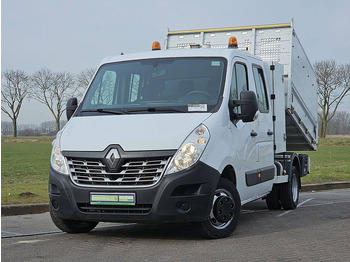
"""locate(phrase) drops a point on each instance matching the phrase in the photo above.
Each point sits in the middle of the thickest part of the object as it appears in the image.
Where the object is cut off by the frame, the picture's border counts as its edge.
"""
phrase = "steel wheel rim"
(295, 188)
(213, 221)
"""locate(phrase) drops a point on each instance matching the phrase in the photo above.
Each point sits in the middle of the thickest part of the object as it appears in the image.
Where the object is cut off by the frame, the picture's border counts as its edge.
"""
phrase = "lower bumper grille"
(136, 210)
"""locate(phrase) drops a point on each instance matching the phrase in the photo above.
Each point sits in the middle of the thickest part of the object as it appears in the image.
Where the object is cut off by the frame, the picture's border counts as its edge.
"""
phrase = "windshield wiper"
(156, 109)
(102, 110)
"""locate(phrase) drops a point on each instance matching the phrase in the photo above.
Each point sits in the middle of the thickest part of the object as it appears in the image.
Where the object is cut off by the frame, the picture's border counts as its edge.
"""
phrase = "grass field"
(25, 167)
(331, 161)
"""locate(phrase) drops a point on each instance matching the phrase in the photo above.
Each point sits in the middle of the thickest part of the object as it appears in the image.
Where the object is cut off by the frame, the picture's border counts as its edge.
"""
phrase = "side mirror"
(248, 104)
(72, 105)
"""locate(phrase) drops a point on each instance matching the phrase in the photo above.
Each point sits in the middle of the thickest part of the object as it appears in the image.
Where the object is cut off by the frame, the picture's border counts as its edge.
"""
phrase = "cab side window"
(239, 82)
(260, 89)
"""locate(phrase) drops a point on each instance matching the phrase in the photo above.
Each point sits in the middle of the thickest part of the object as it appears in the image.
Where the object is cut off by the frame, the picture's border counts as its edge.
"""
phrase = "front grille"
(137, 209)
(132, 172)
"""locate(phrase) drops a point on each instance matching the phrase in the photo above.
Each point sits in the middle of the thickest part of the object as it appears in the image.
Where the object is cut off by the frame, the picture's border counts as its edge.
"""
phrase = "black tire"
(273, 199)
(289, 192)
(72, 226)
(225, 212)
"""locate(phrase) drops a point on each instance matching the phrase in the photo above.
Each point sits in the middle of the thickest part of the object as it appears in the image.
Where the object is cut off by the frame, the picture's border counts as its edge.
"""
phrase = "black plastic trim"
(261, 175)
(122, 153)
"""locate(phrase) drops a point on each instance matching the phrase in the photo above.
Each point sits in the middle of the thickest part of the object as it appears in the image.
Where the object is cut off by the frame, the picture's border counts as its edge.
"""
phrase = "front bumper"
(183, 196)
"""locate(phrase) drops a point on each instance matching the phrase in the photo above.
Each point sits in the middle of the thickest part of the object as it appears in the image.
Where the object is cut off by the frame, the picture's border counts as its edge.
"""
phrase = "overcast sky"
(72, 35)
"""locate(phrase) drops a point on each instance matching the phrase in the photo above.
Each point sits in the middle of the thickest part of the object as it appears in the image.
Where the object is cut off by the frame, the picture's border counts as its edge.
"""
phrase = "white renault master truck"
(188, 134)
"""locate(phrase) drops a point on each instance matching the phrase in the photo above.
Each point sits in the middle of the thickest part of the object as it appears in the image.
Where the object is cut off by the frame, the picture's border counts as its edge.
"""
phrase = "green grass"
(25, 167)
(331, 161)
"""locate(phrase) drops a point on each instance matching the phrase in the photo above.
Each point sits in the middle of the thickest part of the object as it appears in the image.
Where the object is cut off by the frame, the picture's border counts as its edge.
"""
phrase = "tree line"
(54, 88)
(47, 128)
(50, 88)
(339, 124)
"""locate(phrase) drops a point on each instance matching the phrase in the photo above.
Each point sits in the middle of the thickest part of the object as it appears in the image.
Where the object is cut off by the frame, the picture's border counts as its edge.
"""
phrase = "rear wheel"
(273, 199)
(72, 226)
(225, 212)
(289, 194)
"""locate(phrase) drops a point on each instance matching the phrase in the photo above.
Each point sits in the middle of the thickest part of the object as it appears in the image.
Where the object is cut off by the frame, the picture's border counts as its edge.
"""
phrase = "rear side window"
(261, 89)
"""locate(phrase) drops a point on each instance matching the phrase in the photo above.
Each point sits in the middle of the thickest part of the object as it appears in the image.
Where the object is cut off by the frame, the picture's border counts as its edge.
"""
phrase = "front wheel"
(72, 226)
(225, 211)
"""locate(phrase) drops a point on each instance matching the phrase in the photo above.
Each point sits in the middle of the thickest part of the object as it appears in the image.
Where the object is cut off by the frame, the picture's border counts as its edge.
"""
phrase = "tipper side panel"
(301, 106)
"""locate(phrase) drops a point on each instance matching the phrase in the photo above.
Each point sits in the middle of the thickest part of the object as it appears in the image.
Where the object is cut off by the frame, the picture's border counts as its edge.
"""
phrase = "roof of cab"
(195, 52)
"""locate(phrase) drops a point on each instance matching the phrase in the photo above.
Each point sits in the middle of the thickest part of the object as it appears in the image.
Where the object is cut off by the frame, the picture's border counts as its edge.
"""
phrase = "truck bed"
(274, 44)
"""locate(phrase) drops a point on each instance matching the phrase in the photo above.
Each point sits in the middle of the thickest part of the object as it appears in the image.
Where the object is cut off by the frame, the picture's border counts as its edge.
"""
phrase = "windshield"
(157, 85)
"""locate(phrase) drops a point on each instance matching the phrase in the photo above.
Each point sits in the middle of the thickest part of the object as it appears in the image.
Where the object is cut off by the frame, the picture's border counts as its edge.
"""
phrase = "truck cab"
(175, 135)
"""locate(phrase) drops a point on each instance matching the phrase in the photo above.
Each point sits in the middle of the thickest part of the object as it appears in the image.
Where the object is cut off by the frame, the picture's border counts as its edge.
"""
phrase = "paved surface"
(318, 230)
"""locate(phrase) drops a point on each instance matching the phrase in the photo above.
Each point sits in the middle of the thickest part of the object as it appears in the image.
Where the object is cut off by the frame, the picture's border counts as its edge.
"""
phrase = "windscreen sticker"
(197, 107)
(215, 63)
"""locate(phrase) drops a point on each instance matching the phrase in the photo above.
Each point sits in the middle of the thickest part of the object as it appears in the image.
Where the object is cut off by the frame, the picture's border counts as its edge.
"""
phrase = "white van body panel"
(132, 132)
(230, 143)
(159, 136)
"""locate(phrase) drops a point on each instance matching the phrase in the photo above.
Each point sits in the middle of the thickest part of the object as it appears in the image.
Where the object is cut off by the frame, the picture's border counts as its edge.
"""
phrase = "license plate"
(113, 199)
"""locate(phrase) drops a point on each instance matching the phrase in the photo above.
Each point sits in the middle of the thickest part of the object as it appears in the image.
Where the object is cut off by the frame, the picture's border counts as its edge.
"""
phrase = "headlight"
(190, 151)
(58, 161)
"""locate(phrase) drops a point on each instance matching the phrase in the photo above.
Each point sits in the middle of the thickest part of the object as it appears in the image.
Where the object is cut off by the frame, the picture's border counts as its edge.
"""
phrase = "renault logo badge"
(112, 158)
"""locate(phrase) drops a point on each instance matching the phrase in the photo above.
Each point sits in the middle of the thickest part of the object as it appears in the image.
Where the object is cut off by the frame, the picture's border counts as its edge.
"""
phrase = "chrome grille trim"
(132, 173)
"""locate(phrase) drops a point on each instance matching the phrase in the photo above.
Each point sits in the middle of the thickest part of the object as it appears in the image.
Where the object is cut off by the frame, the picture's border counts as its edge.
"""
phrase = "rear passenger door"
(265, 130)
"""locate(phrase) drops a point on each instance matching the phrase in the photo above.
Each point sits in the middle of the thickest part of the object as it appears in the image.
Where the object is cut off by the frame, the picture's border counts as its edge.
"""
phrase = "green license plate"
(113, 199)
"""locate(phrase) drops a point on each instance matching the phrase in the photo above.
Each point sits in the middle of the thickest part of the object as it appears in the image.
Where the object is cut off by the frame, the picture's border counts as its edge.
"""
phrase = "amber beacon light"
(155, 46)
(232, 42)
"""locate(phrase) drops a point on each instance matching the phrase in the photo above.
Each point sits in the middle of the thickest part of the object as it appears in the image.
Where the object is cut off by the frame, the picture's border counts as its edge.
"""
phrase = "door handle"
(253, 133)
(269, 133)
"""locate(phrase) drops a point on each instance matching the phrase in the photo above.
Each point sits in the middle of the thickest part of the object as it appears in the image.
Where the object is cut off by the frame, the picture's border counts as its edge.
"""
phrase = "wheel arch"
(290, 160)
(229, 174)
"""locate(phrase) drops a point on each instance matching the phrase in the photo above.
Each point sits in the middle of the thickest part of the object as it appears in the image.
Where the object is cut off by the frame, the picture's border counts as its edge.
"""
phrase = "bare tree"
(333, 85)
(15, 86)
(53, 89)
(83, 80)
